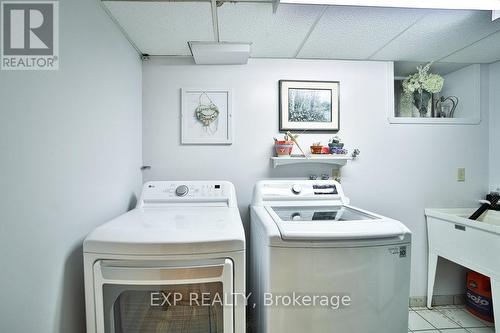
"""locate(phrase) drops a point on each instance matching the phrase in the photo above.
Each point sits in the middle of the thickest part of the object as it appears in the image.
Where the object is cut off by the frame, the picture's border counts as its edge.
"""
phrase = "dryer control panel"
(202, 193)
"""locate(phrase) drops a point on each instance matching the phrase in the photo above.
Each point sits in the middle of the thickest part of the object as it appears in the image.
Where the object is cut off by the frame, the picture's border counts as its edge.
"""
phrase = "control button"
(181, 191)
(296, 189)
(296, 217)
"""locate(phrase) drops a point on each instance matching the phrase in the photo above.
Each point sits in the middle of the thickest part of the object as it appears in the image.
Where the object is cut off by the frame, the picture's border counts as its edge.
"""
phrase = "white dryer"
(319, 265)
(176, 263)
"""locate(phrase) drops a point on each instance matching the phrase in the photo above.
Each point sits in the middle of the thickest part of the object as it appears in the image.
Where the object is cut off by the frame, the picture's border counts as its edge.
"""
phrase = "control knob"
(181, 190)
(296, 189)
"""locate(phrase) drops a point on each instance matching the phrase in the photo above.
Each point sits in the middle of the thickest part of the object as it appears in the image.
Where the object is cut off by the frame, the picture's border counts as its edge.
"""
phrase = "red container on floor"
(478, 296)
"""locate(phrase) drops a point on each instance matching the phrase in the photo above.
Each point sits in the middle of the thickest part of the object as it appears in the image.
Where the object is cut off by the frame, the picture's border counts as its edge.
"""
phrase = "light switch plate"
(460, 174)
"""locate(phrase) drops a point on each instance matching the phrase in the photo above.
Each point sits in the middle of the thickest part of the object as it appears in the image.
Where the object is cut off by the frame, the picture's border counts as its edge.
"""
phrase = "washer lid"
(165, 231)
(332, 222)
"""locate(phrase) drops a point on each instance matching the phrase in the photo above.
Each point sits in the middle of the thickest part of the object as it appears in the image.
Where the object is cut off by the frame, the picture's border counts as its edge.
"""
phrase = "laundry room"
(158, 150)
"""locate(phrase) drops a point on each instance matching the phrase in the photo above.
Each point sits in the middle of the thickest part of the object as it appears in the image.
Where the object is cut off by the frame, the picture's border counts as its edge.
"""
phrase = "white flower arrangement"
(423, 80)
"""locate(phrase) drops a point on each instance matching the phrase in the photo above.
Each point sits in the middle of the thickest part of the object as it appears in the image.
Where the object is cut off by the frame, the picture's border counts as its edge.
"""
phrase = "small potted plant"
(283, 147)
(336, 146)
(420, 86)
(317, 148)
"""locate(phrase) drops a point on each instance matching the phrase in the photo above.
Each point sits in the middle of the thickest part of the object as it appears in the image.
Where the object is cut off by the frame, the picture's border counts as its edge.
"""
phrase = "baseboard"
(418, 301)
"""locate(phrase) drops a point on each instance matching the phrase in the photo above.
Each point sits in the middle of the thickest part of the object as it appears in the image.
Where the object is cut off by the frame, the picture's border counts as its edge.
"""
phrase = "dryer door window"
(193, 308)
(139, 298)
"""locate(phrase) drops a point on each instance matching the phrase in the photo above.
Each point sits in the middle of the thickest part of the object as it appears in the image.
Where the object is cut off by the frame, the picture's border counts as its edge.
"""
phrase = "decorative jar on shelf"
(421, 99)
(317, 149)
(283, 148)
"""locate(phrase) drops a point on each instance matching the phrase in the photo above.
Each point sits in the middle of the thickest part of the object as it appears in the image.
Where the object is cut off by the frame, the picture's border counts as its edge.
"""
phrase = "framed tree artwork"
(309, 106)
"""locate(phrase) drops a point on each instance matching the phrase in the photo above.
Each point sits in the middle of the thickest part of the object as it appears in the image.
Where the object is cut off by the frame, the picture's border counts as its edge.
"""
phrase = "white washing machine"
(176, 263)
(319, 265)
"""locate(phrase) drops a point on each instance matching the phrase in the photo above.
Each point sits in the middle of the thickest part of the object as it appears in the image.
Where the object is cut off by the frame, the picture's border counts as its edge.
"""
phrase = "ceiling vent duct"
(220, 53)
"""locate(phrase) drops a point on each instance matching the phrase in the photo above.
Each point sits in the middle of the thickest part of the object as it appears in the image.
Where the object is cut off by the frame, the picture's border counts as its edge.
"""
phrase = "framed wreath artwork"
(311, 106)
(206, 116)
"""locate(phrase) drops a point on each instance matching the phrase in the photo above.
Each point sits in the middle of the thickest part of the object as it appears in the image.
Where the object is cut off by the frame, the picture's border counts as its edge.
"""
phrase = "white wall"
(464, 84)
(495, 125)
(402, 168)
(70, 144)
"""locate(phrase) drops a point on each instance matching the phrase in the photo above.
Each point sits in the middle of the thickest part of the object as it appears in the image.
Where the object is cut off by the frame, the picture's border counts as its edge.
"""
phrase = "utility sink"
(474, 244)
(490, 217)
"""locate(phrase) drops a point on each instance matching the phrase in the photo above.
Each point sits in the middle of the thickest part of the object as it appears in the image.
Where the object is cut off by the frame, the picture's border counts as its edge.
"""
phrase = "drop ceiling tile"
(163, 28)
(486, 50)
(277, 34)
(356, 32)
(439, 34)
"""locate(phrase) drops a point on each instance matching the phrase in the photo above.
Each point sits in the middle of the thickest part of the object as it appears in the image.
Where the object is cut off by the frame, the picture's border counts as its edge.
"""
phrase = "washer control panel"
(299, 189)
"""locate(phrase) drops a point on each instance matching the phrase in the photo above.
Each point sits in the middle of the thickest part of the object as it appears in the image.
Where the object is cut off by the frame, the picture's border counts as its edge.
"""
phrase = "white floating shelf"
(339, 160)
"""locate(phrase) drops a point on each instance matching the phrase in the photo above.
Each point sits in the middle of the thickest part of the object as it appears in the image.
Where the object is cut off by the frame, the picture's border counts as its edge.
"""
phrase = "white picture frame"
(194, 131)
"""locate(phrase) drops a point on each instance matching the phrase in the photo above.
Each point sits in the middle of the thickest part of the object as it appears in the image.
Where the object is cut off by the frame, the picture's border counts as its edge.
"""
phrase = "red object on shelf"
(283, 148)
(317, 149)
(478, 299)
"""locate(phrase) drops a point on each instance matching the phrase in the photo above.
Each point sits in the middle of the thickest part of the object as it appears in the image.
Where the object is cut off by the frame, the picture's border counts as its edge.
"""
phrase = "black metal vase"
(421, 100)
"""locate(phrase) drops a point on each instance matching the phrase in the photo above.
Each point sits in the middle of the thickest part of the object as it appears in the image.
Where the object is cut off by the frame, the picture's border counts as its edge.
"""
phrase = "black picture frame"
(332, 126)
